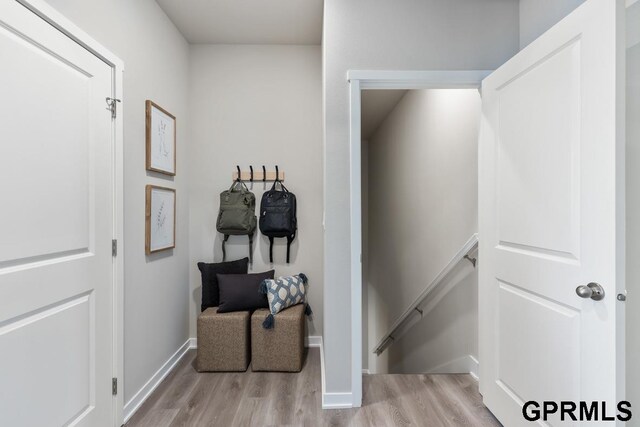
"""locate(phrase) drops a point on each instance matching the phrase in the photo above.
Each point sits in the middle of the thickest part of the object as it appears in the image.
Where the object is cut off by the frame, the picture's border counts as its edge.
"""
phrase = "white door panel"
(56, 276)
(547, 203)
(549, 218)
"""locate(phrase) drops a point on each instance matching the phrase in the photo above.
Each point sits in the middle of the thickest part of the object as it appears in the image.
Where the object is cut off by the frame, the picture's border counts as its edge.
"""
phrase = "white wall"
(401, 35)
(537, 16)
(256, 105)
(423, 207)
(633, 205)
(156, 287)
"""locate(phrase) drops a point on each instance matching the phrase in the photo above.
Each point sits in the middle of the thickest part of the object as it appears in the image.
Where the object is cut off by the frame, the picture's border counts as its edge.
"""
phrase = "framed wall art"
(160, 218)
(161, 139)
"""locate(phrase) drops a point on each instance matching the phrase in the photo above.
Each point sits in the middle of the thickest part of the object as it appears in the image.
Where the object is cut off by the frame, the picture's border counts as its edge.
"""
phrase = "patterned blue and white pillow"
(284, 292)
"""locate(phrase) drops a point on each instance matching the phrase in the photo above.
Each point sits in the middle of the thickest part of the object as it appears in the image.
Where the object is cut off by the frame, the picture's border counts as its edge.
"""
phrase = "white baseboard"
(337, 400)
(462, 365)
(313, 341)
(366, 372)
(310, 341)
(332, 400)
(143, 394)
(474, 369)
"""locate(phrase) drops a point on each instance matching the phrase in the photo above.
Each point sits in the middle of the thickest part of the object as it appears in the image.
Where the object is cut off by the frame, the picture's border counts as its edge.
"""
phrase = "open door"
(56, 263)
(551, 221)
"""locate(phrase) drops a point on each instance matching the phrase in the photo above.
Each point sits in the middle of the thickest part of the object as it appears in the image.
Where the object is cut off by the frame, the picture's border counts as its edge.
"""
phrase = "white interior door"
(551, 218)
(56, 225)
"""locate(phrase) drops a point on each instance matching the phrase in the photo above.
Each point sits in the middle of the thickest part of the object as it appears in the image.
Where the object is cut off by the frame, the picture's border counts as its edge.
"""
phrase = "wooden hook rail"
(258, 175)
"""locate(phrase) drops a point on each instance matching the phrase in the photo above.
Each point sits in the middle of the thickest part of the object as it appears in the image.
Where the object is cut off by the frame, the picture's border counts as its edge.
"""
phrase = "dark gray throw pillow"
(239, 292)
(210, 290)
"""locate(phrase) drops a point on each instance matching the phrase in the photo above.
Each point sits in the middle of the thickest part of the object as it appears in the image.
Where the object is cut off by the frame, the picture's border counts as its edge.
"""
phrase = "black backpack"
(278, 216)
(237, 215)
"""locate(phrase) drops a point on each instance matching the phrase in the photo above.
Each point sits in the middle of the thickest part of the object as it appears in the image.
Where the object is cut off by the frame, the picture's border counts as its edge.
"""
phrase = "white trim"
(474, 369)
(68, 28)
(143, 394)
(118, 234)
(310, 342)
(366, 372)
(365, 79)
(313, 341)
(462, 365)
(330, 400)
(337, 400)
(322, 375)
(381, 79)
(632, 31)
(356, 243)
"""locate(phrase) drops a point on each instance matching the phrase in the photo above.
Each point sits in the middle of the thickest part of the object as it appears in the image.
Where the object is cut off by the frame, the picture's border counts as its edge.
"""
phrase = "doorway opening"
(390, 80)
(419, 231)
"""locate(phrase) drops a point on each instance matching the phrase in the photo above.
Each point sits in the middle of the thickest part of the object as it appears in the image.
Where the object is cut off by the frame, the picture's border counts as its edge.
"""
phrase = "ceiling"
(247, 21)
(376, 106)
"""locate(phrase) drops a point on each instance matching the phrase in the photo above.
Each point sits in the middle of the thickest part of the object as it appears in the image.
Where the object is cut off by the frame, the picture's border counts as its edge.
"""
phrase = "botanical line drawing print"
(162, 135)
(160, 139)
(160, 218)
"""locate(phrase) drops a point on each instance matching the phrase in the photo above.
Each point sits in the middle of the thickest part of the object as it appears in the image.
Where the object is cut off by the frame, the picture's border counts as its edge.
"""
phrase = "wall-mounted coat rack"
(259, 175)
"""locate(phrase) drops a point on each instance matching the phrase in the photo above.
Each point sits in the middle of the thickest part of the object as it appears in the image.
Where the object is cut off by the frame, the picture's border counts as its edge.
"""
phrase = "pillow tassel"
(268, 322)
(304, 278)
(263, 287)
(307, 310)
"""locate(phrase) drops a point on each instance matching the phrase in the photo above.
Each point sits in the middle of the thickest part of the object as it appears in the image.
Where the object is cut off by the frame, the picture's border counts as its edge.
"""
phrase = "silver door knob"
(592, 290)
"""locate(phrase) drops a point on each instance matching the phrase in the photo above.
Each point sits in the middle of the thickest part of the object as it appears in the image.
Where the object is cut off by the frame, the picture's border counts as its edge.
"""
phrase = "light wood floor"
(188, 398)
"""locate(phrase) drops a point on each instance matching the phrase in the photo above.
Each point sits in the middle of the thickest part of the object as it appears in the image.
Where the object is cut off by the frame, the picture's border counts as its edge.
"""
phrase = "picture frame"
(160, 139)
(160, 219)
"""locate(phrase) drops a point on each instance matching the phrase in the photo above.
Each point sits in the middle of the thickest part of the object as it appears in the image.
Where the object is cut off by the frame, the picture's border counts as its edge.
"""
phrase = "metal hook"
(238, 179)
(264, 174)
(251, 168)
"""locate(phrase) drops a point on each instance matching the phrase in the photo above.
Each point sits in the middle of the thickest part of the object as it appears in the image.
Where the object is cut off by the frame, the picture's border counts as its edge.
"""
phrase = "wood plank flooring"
(188, 398)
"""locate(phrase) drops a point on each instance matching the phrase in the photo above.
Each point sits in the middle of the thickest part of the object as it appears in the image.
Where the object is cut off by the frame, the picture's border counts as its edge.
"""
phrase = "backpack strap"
(289, 240)
(274, 188)
(271, 249)
(224, 252)
(243, 186)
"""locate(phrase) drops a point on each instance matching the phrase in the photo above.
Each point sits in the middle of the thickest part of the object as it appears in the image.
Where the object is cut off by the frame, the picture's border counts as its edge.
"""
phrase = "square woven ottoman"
(282, 347)
(223, 341)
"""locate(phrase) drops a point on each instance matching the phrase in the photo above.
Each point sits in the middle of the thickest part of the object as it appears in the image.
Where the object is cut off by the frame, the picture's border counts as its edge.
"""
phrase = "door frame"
(68, 28)
(359, 80)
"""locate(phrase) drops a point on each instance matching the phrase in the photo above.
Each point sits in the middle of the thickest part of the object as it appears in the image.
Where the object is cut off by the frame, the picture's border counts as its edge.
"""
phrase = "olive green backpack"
(237, 215)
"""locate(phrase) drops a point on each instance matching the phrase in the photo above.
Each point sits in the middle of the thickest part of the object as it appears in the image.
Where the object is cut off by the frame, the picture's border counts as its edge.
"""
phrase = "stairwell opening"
(419, 169)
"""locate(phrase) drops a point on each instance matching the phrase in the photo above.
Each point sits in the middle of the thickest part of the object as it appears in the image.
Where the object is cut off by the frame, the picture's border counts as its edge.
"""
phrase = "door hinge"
(114, 247)
(112, 106)
(114, 386)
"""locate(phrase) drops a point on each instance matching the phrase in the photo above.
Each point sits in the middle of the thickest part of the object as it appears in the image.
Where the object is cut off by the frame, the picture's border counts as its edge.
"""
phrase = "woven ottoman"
(282, 347)
(223, 341)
